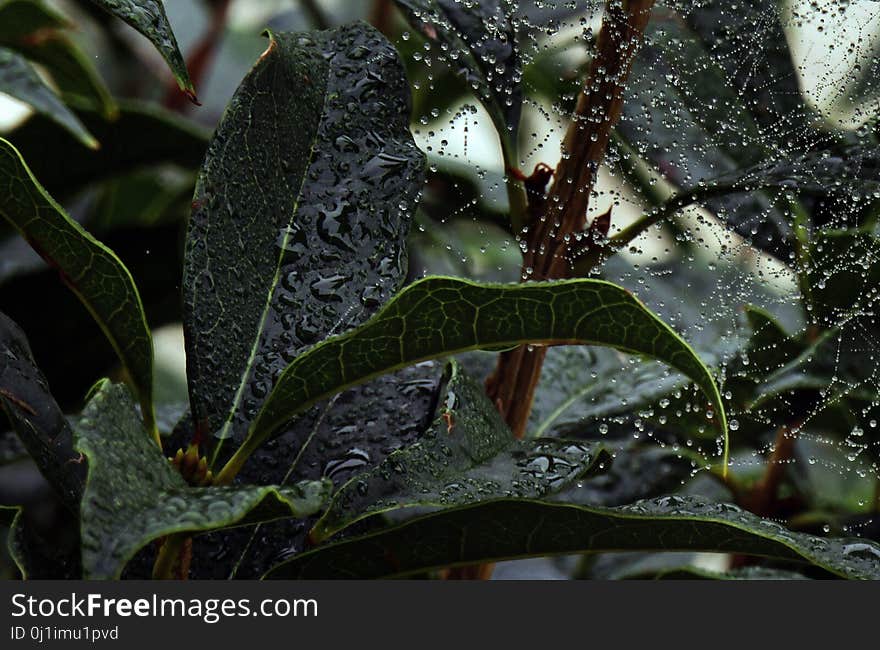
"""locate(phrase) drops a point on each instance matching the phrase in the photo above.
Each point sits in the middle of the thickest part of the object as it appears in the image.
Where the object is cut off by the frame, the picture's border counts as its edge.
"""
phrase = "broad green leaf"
(480, 40)
(441, 316)
(133, 495)
(141, 135)
(148, 17)
(336, 439)
(469, 454)
(519, 528)
(300, 216)
(639, 471)
(770, 347)
(7, 515)
(845, 276)
(34, 29)
(35, 416)
(90, 269)
(20, 81)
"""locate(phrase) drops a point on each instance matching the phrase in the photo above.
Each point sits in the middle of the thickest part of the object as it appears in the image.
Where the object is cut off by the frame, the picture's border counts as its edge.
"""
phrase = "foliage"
(342, 283)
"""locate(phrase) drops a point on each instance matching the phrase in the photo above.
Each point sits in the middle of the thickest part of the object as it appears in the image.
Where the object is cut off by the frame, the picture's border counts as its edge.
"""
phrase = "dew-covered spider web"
(750, 127)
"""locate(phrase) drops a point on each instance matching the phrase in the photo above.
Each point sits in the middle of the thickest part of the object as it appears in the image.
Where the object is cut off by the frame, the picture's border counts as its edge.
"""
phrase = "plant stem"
(172, 556)
(512, 385)
(761, 500)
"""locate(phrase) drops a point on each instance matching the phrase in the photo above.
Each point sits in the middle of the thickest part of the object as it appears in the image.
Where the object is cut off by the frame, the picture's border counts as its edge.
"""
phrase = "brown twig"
(380, 16)
(762, 498)
(564, 211)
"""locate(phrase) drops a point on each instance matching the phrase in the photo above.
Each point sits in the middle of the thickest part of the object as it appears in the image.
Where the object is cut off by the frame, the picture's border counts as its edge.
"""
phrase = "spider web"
(785, 88)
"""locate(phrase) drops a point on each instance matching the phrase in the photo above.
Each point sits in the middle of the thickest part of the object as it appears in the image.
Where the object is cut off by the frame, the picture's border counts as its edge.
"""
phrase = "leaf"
(44, 549)
(479, 39)
(336, 439)
(7, 515)
(139, 136)
(34, 30)
(300, 216)
(844, 276)
(770, 347)
(519, 528)
(90, 269)
(441, 316)
(133, 495)
(148, 17)
(35, 416)
(20, 81)
(469, 454)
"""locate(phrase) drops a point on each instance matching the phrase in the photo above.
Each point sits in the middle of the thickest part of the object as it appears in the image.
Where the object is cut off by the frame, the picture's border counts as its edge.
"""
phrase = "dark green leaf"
(44, 549)
(20, 81)
(148, 17)
(336, 439)
(845, 276)
(139, 136)
(441, 316)
(36, 418)
(90, 269)
(469, 454)
(300, 216)
(770, 347)
(7, 515)
(133, 495)
(517, 528)
(478, 38)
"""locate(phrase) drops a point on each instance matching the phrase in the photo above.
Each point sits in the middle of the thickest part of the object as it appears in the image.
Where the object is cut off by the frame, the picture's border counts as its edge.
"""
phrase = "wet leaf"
(480, 40)
(301, 213)
(133, 495)
(7, 515)
(90, 269)
(148, 17)
(519, 528)
(141, 135)
(469, 454)
(336, 439)
(45, 550)
(441, 316)
(35, 416)
(20, 81)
